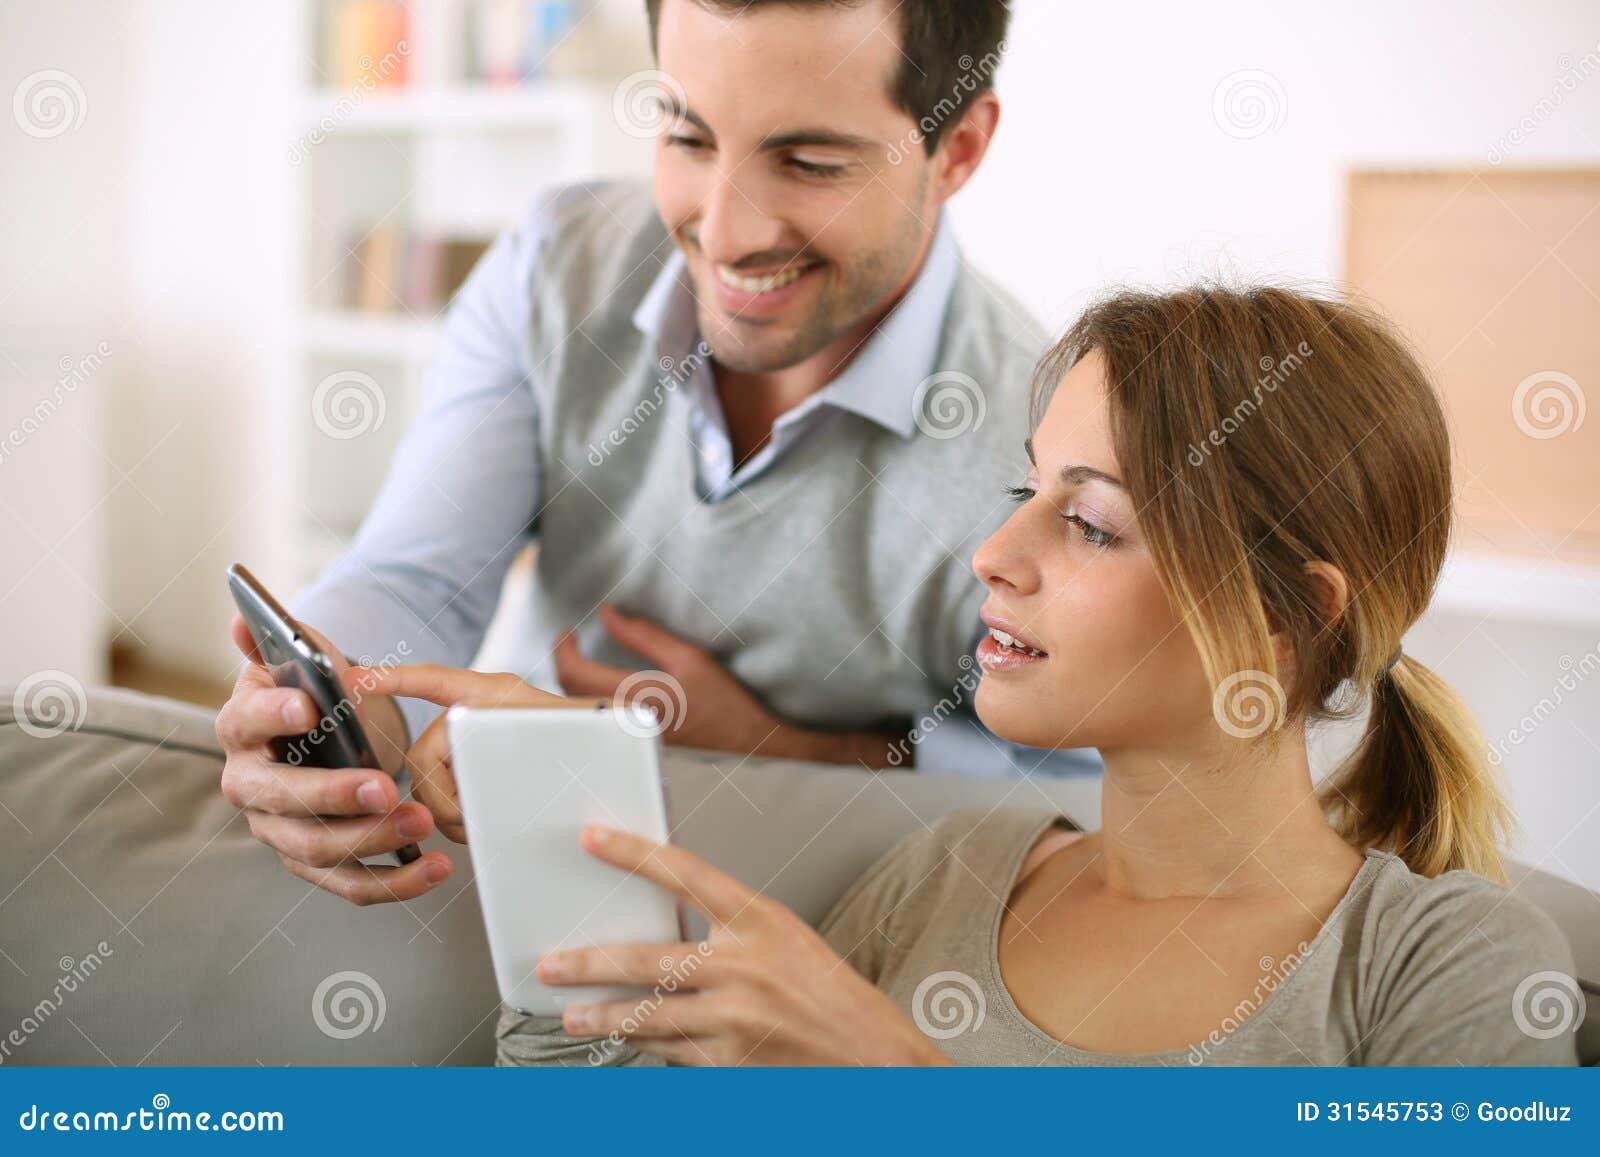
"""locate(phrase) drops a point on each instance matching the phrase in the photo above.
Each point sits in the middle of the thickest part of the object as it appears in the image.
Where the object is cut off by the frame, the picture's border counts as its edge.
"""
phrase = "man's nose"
(733, 226)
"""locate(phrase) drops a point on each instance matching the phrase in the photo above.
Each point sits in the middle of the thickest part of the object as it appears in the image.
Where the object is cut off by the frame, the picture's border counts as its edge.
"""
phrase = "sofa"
(141, 923)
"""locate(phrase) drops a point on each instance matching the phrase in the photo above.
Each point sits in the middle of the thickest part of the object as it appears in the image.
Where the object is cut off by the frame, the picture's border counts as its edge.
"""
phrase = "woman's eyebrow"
(1079, 474)
(1075, 475)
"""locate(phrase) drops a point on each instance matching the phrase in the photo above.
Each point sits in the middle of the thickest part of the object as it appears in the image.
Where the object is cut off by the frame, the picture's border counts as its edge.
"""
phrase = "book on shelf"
(392, 270)
(510, 42)
(367, 44)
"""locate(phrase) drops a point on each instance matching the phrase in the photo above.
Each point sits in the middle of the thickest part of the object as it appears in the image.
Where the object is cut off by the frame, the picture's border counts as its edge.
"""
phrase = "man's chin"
(750, 347)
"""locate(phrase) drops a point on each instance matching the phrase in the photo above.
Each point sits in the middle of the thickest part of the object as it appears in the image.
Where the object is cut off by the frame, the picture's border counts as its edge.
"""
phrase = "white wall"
(159, 226)
(62, 158)
(207, 217)
(1111, 166)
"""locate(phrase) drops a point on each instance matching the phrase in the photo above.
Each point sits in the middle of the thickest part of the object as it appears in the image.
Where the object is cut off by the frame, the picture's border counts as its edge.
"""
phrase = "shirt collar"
(881, 382)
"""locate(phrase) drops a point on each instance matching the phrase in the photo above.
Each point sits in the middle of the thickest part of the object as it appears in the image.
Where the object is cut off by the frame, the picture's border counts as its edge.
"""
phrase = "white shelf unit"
(440, 157)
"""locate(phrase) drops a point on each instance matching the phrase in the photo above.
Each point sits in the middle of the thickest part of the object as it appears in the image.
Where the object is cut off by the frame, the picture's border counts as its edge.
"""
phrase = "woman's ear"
(1332, 591)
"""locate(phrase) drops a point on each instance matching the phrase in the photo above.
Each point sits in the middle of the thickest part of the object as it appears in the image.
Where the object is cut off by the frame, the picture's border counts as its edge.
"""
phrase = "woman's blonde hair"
(1262, 431)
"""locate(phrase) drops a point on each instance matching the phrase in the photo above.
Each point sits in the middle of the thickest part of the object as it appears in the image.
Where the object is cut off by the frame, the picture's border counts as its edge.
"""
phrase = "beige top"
(1407, 970)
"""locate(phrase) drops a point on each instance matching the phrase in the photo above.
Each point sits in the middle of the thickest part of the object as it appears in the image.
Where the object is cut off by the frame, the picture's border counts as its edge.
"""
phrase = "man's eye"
(814, 169)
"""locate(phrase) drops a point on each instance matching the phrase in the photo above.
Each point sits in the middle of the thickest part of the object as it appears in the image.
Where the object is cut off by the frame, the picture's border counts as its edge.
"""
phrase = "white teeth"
(756, 284)
(1011, 642)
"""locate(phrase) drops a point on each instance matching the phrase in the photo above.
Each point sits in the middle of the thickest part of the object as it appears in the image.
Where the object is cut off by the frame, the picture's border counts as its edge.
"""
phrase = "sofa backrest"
(141, 923)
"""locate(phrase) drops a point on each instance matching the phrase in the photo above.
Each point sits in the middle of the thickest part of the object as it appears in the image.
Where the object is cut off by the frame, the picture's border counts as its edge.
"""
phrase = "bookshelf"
(422, 129)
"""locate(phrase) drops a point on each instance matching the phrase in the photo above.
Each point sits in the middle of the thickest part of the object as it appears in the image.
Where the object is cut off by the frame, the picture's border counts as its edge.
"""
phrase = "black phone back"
(294, 660)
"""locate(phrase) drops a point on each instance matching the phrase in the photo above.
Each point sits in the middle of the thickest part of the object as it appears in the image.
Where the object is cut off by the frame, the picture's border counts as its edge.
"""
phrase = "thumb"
(433, 780)
(658, 645)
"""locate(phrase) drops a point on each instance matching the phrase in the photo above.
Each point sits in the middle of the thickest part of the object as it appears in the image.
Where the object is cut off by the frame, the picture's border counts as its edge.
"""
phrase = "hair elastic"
(1393, 659)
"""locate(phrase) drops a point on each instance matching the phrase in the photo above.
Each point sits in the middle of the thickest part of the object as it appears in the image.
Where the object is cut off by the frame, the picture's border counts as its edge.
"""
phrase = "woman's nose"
(1003, 560)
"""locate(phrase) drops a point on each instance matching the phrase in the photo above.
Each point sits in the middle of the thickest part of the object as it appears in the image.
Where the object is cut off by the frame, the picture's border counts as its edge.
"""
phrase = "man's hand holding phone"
(322, 822)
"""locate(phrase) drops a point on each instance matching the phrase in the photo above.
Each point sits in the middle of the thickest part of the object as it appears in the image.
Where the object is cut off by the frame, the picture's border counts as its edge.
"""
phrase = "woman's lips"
(993, 656)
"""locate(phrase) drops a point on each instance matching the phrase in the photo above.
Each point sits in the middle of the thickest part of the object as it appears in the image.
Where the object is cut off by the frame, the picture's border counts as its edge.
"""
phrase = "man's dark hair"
(949, 51)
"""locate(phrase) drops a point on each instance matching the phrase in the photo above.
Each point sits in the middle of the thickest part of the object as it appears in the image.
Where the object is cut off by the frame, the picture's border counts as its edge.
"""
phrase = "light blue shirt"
(462, 495)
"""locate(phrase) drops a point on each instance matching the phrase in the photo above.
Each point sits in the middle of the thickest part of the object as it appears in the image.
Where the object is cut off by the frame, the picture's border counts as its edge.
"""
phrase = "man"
(756, 424)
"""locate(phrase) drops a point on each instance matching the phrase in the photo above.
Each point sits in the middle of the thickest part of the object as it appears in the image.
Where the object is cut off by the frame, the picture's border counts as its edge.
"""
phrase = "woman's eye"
(1092, 534)
(691, 144)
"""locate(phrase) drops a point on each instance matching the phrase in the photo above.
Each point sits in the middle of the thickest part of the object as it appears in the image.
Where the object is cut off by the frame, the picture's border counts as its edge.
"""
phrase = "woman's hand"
(433, 781)
(763, 988)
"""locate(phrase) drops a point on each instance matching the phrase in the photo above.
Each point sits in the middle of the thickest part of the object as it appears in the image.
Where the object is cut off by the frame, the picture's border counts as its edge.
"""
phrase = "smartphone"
(529, 780)
(337, 740)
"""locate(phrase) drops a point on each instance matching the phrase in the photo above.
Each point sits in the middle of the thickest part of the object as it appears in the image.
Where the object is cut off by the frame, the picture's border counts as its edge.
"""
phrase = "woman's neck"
(1214, 823)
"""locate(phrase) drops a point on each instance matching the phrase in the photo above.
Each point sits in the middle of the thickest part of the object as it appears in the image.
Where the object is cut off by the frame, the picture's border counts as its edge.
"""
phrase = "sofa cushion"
(140, 923)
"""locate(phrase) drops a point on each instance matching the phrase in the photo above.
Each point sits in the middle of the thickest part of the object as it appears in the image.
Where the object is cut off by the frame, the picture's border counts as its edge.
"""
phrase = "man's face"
(777, 182)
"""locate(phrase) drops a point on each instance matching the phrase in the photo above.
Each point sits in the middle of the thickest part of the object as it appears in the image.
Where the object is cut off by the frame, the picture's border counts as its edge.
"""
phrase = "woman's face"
(1102, 658)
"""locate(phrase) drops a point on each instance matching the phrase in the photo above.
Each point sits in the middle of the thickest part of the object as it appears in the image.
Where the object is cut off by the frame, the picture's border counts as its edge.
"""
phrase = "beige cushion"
(115, 832)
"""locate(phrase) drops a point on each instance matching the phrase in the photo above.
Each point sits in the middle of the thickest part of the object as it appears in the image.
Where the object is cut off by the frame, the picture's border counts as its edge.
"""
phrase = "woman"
(1235, 504)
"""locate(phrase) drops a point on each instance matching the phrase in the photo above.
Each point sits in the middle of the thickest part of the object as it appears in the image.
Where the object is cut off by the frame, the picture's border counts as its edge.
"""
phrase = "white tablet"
(529, 780)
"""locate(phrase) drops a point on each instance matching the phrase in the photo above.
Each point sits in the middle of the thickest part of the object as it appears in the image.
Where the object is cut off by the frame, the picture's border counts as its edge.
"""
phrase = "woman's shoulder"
(984, 842)
(1447, 963)
(1405, 905)
(936, 866)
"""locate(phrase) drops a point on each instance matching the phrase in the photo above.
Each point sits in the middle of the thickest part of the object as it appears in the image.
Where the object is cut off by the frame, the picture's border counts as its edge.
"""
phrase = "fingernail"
(435, 872)
(599, 836)
(371, 796)
(577, 1021)
(553, 968)
(294, 715)
(411, 825)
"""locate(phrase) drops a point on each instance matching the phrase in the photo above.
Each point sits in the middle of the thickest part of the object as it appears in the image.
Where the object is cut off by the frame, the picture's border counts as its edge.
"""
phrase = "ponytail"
(1419, 784)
